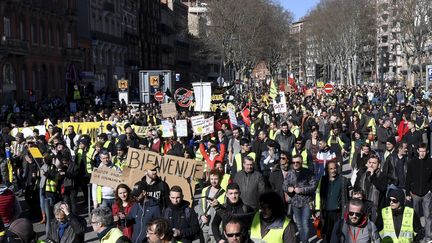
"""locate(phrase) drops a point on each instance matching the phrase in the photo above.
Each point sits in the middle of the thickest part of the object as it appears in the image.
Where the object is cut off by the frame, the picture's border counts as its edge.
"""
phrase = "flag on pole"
(292, 82)
(273, 90)
(245, 115)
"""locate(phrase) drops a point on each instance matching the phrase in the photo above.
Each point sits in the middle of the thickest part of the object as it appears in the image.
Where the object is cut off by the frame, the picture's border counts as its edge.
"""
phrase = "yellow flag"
(273, 89)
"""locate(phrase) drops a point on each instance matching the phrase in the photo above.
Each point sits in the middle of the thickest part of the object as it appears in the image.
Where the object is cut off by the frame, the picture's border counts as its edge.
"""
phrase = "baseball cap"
(150, 166)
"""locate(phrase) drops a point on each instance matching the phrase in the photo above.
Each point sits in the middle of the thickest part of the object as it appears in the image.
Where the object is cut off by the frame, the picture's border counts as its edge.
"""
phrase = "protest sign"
(208, 126)
(28, 131)
(198, 124)
(167, 129)
(174, 170)
(106, 177)
(168, 110)
(181, 128)
(280, 107)
(202, 93)
(232, 117)
(35, 153)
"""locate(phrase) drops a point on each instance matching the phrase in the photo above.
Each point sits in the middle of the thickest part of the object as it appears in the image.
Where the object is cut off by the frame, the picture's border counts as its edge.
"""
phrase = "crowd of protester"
(352, 166)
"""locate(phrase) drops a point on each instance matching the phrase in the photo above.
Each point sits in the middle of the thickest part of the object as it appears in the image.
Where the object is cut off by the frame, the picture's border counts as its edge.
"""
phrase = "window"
(34, 77)
(42, 33)
(7, 27)
(24, 78)
(22, 30)
(8, 74)
(69, 40)
(50, 37)
(33, 34)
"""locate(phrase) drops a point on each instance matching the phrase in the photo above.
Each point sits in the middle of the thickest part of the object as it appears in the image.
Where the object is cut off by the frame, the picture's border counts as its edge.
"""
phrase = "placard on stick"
(35, 153)
(106, 177)
(168, 110)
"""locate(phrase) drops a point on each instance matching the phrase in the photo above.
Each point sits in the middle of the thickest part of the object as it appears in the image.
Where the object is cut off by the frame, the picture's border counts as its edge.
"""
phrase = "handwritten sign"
(173, 169)
(106, 177)
(168, 110)
(181, 128)
(35, 153)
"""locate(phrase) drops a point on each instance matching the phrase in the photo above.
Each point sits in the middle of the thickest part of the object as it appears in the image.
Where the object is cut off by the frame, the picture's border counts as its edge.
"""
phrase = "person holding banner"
(155, 187)
(103, 195)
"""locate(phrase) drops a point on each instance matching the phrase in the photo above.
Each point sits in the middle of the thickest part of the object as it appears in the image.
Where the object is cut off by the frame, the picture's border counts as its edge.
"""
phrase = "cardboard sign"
(167, 129)
(168, 110)
(280, 107)
(198, 124)
(174, 170)
(106, 177)
(181, 128)
(35, 153)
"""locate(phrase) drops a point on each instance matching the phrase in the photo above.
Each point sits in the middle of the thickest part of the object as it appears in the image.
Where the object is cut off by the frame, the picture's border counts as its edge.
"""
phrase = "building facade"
(39, 53)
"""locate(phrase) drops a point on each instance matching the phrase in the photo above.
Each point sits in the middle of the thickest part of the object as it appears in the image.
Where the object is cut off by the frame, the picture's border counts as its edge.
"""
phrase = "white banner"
(232, 117)
(208, 126)
(167, 129)
(202, 93)
(198, 124)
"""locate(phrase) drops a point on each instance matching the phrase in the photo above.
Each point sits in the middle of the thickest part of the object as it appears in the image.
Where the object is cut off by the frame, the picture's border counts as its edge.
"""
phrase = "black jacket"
(324, 192)
(397, 222)
(276, 180)
(183, 218)
(74, 233)
(224, 213)
(158, 190)
(419, 177)
(71, 176)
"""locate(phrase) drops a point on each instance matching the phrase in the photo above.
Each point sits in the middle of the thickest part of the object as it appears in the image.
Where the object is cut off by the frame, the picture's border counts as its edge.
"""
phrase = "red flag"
(292, 82)
(245, 115)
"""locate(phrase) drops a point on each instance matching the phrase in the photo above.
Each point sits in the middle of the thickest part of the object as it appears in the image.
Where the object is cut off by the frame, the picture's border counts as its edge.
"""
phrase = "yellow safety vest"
(112, 236)
(51, 186)
(273, 236)
(221, 198)
(225, 181)
(272, 134)
(239, 162)
(76, 95)
(106, 144)
(295, 130)
(118, 162)
(318, 196)
(406, 234)
(89, 157)
(336, 139)
(304, 156)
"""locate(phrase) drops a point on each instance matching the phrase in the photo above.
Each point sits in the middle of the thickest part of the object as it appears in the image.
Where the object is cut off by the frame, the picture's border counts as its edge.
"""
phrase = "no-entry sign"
(159, 96)
(328, 88)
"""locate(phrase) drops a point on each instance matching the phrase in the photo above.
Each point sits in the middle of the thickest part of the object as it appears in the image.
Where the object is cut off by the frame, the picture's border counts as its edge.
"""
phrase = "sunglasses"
(358, 215)
(238, 234)
(284, 158)
(392, 200)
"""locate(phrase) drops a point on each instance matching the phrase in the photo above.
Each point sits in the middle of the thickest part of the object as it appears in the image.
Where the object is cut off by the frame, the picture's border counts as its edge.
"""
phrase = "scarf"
(62, 229)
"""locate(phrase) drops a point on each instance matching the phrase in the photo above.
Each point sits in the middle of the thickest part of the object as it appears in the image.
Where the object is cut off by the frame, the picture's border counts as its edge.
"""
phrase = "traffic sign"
(122, 84)
(320, 84)
(328, 88)
(154, 81)
(159, 96)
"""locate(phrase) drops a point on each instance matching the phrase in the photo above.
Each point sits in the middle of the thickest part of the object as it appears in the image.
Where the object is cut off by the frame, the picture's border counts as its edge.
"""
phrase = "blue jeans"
(42, 199)
(302, 216)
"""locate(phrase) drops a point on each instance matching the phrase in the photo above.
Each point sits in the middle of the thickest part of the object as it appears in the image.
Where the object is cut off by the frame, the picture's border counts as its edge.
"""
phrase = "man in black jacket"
(419, 186)
(277, 176)
(156, 187)
(183, 220)
(234, 208)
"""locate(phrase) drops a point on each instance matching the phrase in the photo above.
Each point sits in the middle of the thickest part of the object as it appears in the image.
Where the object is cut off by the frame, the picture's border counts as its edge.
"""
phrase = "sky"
(298, 7)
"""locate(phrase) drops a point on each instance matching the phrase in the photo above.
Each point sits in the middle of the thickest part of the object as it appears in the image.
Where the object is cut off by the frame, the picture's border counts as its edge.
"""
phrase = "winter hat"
(398, 194)
(23, 229)
(391, 140)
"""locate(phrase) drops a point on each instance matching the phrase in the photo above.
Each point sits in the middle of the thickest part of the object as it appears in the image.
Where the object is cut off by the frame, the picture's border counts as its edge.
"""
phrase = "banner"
(280, 107)
(28, 131)
(181, 128)
(198, 124)
(168, 110)
(167, 129)
(232, 117)
(174, 170)
(208, 126)
(106, 177)
(93, 129)
(202, 92)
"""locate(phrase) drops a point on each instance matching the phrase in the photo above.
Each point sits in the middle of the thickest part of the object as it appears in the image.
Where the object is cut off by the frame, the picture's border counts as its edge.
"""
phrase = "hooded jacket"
(366, 231)
(141, 213)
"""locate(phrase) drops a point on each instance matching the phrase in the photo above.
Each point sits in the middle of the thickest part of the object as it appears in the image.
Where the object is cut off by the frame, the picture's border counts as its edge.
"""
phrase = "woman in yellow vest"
(397, 222)
(272, 217)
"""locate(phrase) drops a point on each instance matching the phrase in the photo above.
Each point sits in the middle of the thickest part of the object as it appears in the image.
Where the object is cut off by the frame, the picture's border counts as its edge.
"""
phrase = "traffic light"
(161, 80)
(319, 71)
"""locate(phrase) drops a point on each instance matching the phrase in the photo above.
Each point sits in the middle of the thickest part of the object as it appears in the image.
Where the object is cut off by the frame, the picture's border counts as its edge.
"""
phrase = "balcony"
(73, 54)
(13, 46)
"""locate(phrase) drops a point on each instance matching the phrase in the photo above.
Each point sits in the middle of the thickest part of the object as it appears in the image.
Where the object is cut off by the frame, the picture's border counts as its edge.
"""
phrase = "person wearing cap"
(398, 222)
(102, 222)
(145, 209)
(68, 227)
(102, 194)
(20, 230)
(156, 187)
